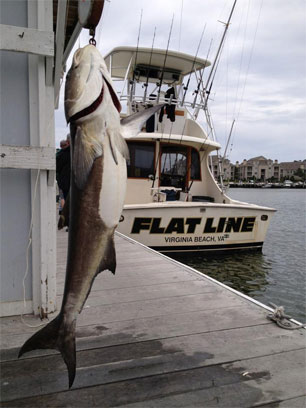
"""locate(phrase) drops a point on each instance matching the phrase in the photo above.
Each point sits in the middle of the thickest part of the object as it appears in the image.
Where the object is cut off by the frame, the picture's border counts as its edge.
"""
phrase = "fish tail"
(56, 335)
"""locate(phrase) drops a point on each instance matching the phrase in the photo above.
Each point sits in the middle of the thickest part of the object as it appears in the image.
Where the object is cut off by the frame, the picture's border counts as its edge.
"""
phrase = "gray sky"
(261, 78)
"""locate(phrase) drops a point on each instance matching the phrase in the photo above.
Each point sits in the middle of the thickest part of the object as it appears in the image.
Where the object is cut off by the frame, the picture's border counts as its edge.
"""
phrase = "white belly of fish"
(113, 189)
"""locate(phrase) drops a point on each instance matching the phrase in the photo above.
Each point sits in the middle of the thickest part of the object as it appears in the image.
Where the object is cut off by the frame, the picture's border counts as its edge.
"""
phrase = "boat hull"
(187, 227)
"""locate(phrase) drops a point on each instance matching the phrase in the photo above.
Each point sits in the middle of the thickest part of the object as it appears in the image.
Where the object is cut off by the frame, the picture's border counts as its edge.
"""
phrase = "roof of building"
(295, 165)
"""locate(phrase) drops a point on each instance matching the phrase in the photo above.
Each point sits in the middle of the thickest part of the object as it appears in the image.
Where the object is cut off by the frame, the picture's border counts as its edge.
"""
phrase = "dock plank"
(156, 327)
(158, 334)
(244, 383)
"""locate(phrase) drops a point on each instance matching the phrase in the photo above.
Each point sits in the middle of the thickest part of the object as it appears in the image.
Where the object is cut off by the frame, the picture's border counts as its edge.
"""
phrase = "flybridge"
(121, 61)
(193, 224)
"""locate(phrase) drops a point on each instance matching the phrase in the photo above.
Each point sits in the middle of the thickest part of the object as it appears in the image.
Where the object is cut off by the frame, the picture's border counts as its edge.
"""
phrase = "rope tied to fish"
(281, 319)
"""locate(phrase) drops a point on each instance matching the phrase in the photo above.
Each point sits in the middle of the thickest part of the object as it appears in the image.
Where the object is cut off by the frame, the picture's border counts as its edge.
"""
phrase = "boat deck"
(158, 334)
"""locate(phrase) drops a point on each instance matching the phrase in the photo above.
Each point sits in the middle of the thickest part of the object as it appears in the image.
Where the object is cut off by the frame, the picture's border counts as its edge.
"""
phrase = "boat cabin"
(169, 158)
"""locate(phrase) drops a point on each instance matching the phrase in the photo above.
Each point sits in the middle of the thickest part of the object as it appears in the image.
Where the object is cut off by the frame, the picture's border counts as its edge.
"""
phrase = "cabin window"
(178, 164)
(141, 163)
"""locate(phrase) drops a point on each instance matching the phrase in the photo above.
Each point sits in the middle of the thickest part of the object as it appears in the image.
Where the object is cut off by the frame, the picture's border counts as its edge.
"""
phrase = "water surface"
(278, 274)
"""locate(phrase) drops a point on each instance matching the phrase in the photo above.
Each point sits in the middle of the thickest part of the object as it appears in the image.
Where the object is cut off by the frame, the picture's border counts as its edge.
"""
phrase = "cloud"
(260, 80)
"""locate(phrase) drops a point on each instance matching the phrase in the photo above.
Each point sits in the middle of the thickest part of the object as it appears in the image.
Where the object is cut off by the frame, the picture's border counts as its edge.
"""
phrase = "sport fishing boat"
(173, 203)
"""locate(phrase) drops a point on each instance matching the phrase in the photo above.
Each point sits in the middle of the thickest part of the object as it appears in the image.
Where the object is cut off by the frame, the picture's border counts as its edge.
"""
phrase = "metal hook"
(92, 40)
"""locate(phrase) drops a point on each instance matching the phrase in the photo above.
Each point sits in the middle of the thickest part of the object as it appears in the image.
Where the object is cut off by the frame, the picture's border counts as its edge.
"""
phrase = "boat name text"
(191, 225)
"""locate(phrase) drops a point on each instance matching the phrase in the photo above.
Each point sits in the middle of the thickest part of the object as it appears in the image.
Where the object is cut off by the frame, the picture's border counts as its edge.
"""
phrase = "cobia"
(98, 185)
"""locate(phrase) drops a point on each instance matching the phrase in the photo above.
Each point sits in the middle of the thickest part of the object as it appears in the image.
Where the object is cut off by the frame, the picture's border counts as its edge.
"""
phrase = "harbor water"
(278, 273)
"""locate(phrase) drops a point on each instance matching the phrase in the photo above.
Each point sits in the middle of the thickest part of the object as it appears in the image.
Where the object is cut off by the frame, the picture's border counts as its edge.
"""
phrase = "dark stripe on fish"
(89, 109)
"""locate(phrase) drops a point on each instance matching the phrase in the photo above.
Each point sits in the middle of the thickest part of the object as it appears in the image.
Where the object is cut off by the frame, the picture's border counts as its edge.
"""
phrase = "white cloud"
(261, 75)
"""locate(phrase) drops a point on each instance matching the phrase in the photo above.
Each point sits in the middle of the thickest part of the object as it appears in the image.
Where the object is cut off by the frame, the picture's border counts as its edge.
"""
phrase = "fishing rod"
(193, 64)
(221, 160)
(228, 140)
(201, 78)
(166, 55)
(208, 91)
(147, 81)
(132, 83)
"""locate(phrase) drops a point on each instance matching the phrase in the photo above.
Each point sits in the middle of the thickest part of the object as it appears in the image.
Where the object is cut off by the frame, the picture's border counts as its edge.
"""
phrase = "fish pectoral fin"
(84, 154)
(109, 259)
(131, 125)
(116, 141)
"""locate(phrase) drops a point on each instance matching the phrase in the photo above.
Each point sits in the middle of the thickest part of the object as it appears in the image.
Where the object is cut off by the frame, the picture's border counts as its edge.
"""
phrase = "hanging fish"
(98, 184)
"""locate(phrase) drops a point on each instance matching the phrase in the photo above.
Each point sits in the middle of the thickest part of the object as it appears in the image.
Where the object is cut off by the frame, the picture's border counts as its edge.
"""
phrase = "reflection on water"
(245, 271)
(278, 274)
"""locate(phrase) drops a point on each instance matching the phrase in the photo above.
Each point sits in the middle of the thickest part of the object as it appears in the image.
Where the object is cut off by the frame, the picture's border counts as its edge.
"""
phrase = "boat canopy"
(128, 62)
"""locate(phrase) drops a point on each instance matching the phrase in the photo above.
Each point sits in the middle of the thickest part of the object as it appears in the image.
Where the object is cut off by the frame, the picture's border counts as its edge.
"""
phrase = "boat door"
(173, 166)
(179, 165)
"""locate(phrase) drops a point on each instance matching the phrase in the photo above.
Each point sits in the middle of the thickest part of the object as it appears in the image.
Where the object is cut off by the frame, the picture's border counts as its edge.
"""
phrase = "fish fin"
(63, 220)
(131, 125)
(109, 259)
(56, 335)
(84, 154)
(117, 141)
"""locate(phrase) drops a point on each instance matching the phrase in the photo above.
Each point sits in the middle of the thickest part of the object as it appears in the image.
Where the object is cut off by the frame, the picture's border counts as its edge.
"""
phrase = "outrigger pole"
(212, 71)
(166, 55)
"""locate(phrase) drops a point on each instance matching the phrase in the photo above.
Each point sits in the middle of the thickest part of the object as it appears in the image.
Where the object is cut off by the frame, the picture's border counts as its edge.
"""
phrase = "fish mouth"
(94, 106)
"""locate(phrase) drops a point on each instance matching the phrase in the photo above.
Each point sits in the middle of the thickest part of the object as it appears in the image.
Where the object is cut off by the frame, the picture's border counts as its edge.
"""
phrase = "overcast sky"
(261, 78)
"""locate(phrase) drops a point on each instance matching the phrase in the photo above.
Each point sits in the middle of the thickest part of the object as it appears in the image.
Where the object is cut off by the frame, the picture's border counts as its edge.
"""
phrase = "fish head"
(87, 83)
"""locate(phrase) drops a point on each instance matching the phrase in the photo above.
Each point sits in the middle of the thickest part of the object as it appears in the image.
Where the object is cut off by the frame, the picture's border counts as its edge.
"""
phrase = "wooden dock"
(158, 334)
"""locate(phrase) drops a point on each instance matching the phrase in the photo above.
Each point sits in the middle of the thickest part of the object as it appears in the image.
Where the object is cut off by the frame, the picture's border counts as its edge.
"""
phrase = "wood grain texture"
(158, 335)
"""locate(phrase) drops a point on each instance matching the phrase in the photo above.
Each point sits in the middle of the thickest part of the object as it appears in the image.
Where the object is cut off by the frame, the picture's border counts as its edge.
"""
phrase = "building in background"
(258, 169)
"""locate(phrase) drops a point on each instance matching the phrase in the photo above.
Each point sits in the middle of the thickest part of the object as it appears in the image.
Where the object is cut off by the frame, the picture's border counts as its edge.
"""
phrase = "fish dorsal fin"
(85, 151)
(131, 125)
(116, 141)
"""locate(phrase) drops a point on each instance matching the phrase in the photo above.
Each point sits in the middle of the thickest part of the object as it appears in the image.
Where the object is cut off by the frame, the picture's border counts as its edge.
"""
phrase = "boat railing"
(149, 101)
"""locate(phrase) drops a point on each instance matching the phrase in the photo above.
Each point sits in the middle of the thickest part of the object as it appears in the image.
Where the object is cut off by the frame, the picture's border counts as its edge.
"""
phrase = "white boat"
(173, 203)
